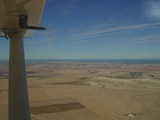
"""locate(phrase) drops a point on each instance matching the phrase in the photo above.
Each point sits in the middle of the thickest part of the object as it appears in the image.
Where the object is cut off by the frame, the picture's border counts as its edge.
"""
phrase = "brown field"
(77, 91)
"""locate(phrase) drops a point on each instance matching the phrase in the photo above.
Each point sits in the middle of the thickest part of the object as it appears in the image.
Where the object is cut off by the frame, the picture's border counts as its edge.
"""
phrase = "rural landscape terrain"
(89, 91)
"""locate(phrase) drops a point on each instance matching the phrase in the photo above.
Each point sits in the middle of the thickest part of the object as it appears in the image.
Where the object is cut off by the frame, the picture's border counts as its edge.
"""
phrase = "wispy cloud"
(83, 35)
(86, 35)
(121, 28)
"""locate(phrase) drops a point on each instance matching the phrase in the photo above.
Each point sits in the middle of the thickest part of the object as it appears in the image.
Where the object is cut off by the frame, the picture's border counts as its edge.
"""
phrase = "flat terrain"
(83, 91)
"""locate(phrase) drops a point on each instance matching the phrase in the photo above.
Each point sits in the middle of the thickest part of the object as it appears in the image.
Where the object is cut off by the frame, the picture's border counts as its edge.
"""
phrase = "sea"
(112, 61)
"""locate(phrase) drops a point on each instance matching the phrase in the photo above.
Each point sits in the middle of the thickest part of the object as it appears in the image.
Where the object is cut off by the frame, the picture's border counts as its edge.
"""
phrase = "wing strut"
(18, 91)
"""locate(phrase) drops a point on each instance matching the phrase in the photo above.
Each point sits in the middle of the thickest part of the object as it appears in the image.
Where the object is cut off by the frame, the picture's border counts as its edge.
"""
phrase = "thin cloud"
(121, 28)
(78, 37)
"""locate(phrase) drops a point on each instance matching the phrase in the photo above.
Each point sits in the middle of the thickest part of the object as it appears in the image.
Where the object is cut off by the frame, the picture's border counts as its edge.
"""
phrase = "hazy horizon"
(112, 61)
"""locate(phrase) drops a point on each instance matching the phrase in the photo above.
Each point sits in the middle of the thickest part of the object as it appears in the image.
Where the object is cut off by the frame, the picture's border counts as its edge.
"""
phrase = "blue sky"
(95, 29)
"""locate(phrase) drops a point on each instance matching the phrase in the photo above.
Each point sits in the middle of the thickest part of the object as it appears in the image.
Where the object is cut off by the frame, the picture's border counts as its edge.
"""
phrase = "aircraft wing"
(11, 9)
